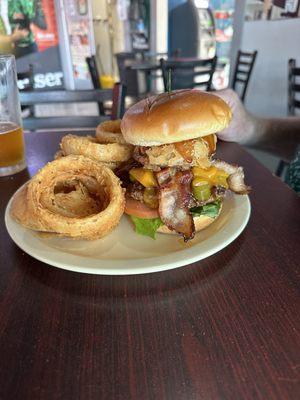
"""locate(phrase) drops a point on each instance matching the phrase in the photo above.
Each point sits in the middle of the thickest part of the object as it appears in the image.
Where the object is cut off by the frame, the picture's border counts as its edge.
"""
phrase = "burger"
(173, 183)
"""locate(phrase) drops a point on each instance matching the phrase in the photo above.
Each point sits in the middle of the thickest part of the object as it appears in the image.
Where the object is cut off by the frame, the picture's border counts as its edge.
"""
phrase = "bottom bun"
(201, 222)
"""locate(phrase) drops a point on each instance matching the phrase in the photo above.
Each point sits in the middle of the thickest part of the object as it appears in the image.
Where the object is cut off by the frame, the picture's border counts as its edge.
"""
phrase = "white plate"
(124, 252)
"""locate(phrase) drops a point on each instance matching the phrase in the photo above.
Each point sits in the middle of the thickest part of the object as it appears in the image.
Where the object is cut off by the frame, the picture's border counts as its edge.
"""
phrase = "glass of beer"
(12, 150)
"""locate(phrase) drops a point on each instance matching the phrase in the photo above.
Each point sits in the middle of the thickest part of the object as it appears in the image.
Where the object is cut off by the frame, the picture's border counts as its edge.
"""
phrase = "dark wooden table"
(224, 328)
(153, 64)
(143, 65)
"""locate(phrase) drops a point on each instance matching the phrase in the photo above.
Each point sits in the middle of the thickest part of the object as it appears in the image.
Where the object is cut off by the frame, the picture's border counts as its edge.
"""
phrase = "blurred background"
(210, 44)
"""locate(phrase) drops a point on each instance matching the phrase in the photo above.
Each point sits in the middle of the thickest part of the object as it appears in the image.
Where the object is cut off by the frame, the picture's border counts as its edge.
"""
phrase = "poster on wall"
(28, 30)
(81, 41)
(272, 9)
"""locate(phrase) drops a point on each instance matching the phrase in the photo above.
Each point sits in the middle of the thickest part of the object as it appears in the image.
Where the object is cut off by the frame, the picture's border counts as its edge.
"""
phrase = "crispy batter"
(72, 196)
(58, 154)
(73, 199)
(236, 176)
(111, 165)
(89, 147)
(168, 156)
(110, 132)
(19, 211)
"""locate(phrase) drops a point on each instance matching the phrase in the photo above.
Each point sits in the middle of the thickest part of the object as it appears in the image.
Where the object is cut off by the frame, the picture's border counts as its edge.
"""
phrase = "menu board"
(79, 29)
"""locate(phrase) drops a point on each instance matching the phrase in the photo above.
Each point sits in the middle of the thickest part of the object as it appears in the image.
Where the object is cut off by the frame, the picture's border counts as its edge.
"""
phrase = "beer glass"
(12, 150)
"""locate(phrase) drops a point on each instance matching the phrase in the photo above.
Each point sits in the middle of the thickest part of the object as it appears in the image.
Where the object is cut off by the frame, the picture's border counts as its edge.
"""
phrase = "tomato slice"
(139, 209)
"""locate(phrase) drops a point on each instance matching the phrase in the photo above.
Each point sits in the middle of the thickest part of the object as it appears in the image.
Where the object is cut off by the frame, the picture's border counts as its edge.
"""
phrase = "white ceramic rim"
(234, 227)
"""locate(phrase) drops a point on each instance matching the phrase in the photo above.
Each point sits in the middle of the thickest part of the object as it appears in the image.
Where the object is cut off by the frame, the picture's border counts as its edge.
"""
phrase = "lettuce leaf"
(210, 210)
(147, 227)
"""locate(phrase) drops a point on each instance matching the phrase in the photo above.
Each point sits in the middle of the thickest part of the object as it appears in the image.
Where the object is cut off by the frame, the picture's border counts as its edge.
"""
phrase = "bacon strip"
(236, 176)
(164, 176)
(174, 198)
(139, 154)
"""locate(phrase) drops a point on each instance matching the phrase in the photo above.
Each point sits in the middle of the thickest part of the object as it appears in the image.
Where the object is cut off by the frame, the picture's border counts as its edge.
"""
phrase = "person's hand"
(19, 34)
(242, 126)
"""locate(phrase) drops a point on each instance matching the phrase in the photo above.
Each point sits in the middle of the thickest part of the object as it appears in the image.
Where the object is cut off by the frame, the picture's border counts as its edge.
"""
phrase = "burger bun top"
(174, 117)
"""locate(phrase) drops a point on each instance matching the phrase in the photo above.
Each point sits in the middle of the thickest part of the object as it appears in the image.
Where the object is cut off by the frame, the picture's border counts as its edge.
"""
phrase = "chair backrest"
(128, 77)
(189, 73)
(117, 95)
(243, 69)
(95, 76)
(293, 87)
(293, 102)
(93, 69)
(118, 101)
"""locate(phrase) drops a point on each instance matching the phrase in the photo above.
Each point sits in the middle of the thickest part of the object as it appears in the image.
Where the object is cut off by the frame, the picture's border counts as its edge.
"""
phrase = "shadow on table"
(96, 290)
(15, 181)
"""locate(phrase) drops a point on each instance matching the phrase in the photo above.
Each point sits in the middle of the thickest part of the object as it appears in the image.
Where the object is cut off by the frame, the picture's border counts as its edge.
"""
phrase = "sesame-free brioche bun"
(174, 117)
(201, 222)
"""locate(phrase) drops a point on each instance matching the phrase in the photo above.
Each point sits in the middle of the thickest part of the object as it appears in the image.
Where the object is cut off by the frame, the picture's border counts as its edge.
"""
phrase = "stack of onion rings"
(108, 147)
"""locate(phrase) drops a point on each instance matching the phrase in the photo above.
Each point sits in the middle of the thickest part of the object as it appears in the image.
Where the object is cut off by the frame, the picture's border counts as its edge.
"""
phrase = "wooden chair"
(128, 77)
(293, 101)
(95, 76)
(293, 87)
(243, 69)
(187, 73)
(117, 95)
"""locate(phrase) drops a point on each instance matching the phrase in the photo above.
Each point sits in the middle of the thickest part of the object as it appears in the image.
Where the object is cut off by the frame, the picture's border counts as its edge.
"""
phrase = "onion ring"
(88, 147)
(111, 165)
(72, 196)
(110, 132)
(59, 154)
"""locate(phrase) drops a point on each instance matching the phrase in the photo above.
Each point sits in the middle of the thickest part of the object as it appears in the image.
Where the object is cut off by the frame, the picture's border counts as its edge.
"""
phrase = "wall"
(101, 35)
(159, 26)
(174, 3)
(276, 42)
(102, 13)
